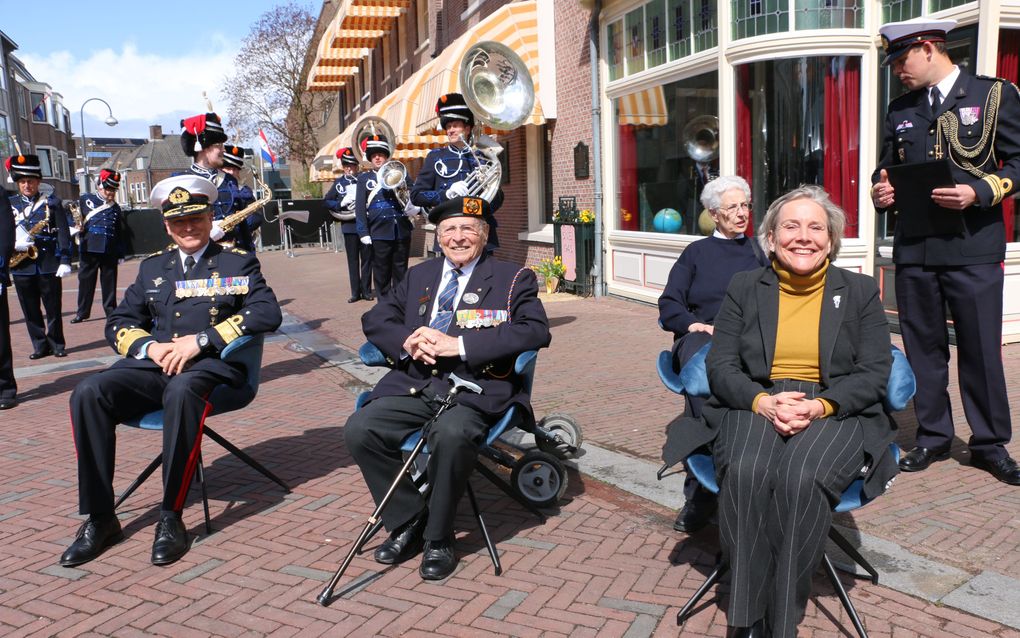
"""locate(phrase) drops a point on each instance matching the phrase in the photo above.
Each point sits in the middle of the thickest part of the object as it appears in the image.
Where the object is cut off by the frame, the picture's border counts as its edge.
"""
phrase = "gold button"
(177, 314)
(175, 335)
(899, 139)
(930, 153)
(413, 391)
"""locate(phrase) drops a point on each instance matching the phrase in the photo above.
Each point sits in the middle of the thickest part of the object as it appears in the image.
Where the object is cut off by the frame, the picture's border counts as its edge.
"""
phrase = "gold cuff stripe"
(126, 337)
(996, 185)
(231, 328)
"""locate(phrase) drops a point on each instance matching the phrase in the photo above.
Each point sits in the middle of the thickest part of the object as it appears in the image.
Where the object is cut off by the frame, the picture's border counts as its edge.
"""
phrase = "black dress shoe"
(1005, 469)
(696, 513)
(757, 630)
(60, 353)
(78, 319)
(353, 299)
(171, 539)
(920, 458)
(7, 404)
(438, 561)
(368, 297)
(94, 535)
(39, 354)
(403, 543)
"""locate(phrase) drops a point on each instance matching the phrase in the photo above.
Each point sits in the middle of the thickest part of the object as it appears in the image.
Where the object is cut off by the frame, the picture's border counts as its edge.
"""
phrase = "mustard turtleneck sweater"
(800, 311)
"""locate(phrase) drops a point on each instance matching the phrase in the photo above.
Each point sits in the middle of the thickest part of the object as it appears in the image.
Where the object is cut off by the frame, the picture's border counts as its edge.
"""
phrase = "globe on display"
(705, 223)
(668, 220)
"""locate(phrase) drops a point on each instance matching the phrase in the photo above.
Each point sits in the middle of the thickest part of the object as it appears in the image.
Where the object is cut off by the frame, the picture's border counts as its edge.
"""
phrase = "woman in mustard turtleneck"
(798, 370)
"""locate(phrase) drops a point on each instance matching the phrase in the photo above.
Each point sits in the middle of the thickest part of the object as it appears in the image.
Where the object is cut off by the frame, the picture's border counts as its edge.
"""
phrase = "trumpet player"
(445, 169)
(101, 246)
(382, 221)
(41, 231)
(234, 196)
(340, 199)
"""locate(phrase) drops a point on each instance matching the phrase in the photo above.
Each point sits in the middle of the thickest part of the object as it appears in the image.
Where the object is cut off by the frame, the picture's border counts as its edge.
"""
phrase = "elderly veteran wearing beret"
(172, 324)
(972, 123)
(692, 296)
(464, 313)
(798, 369)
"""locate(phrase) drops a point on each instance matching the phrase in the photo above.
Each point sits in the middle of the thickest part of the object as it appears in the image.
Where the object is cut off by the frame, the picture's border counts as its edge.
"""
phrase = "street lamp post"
(110, 121)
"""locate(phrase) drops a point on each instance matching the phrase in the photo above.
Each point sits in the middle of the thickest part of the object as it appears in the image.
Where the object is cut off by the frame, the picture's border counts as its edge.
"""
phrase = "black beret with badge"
(461, 207)
(899, 37)
(183, 195)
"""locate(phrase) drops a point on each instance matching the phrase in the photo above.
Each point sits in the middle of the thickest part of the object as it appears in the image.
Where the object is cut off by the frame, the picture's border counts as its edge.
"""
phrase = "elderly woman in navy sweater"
(692, 296)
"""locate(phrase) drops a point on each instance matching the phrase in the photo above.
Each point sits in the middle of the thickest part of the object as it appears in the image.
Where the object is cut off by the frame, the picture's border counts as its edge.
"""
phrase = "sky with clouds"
(151, 60)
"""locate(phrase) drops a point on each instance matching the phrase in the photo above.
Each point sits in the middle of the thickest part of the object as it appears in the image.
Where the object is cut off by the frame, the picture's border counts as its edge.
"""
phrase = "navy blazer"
(491, 352)
(854, 351)
(53, 244)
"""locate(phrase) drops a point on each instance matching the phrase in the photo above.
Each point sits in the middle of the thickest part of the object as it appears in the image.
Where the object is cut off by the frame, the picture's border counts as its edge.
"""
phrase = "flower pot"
(551, 283)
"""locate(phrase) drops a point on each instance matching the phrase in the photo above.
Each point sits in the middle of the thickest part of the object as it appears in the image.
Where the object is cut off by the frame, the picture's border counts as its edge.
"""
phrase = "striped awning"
(410, 109)
(644, 108)
(349, 38)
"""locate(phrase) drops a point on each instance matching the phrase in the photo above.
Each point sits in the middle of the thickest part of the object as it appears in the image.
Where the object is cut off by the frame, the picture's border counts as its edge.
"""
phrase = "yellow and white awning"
(348, 39)
(644, 108)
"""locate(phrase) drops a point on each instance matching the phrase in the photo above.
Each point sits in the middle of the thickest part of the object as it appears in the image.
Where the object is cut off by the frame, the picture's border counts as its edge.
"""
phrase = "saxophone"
(75, 211)
(230, 221)
(32, 251)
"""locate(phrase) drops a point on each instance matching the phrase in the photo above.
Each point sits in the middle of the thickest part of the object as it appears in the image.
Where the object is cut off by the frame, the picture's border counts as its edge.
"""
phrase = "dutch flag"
(267, 154)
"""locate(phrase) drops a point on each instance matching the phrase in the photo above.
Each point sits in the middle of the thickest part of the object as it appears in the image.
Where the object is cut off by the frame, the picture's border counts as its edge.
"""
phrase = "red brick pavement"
(607, 563)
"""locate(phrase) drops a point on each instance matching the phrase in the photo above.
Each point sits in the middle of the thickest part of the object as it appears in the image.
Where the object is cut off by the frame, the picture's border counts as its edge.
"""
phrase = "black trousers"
(359, 265)
(105, 266)
(974, 296)
(389, 262)
(683, 350)
(373, 435)
(117, 394)
(37, 293)
(8, 386)
(776, 496)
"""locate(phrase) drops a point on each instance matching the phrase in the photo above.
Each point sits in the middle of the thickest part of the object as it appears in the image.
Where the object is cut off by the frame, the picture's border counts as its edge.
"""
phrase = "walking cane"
(444, 403)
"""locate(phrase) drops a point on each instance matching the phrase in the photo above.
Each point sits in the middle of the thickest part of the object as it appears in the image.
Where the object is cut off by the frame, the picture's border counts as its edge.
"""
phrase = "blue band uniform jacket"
(335, 195)
(853, 345)
(911, 135)
(102, 231)
(491, 351)
(443, 167)
(233, 198)
(383, 218)
(53, 243)
(152, 311)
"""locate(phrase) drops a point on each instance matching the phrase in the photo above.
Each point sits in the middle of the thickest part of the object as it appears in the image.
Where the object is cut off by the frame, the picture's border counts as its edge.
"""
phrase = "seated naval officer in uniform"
(188, 302)
(464, 313)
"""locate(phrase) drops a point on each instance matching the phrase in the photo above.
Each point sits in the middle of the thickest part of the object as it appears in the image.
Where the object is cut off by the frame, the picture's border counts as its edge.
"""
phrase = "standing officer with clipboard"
(974, 123)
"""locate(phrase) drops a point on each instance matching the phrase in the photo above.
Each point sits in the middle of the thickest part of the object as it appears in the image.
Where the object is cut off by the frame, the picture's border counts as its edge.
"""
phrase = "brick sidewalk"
(607, 563)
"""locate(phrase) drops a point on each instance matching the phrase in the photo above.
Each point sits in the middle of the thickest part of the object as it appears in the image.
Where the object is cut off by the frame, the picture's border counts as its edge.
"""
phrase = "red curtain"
(744, 167)
(628, 178)
(842, 136)
(1009, 68)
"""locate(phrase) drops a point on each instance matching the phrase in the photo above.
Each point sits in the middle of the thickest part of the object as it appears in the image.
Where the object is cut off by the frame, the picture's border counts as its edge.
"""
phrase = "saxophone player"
(41, 230)
(101, 246)
(234, 197)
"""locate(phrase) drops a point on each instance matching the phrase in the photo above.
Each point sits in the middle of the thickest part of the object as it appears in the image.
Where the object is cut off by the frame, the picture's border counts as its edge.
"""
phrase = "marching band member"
(8, 386)
(445, 169)
(340, 198)
(170, 328)
(382, 222)
(101, 246)
(239, 197)
(42, 225)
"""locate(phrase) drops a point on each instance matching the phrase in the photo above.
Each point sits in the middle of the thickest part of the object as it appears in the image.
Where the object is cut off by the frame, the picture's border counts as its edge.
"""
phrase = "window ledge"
(472, 8)
(543, 234)
(424, 45)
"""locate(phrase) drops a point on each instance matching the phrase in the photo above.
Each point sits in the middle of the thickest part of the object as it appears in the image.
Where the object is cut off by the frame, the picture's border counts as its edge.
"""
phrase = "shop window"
(634, 47)
(655, 32)
(667, 149)
(828, 14)
(759, 17)
(798, 123)
(614, 49)
(896, 10)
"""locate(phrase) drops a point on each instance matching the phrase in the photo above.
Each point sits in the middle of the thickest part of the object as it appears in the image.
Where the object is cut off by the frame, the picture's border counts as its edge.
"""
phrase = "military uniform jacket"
(53, 243)
(101, 232)
(911, 135)
(6, 238)
(441, 168)
(491, 351)
(333, 197)
(383, 218)
(153, 308)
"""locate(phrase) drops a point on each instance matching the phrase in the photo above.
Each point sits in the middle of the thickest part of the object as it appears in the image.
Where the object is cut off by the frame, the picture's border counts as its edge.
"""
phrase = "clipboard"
(918, 215)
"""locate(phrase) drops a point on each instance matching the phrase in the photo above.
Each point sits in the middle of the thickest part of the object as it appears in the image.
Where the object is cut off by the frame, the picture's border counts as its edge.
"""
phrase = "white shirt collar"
(946, 84)
(465, 276)
(197, 254)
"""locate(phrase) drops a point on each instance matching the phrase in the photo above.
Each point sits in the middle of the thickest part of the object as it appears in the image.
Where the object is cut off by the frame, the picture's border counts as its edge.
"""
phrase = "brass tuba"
(393, 174)
(701, 138)
(500, 92)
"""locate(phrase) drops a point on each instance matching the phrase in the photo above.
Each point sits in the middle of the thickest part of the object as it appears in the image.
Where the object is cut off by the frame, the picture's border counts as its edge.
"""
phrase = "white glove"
(74, 230)
(217, 232)
(366, 240)
(411, 210)
(23, 245)
(348, 199)
(457, 189)
(63, 270)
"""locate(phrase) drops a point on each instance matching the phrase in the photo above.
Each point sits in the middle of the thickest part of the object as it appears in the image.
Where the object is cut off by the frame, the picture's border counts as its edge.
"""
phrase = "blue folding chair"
(693, 379)
(245, 351)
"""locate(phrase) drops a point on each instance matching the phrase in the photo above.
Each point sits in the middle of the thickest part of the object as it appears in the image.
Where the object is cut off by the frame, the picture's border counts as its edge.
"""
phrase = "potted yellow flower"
(551, 270)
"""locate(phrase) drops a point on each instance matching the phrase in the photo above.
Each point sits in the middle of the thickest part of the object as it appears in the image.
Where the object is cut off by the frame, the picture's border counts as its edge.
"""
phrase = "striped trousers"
(775, 507)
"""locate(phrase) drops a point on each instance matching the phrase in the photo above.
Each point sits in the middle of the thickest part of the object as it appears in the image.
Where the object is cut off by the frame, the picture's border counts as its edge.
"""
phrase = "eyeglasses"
(733, 208)
(464, 229)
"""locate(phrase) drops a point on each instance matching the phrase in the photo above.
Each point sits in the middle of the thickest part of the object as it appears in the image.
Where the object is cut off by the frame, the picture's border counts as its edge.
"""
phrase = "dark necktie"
(444, 313)
(189, 265)
(936, 102)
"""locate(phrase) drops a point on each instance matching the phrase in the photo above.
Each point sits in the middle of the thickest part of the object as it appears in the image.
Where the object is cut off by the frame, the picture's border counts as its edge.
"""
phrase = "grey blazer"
(854, 353)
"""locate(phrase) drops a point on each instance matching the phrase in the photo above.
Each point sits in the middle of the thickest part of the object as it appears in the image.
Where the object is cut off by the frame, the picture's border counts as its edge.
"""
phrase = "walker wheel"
(540, 478)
